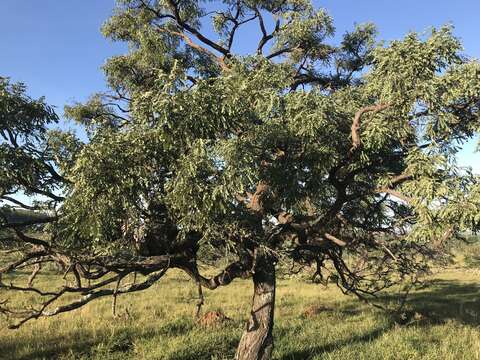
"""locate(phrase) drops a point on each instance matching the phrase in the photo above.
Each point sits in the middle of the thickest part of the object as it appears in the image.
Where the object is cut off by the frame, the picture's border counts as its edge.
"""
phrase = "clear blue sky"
(56, 48)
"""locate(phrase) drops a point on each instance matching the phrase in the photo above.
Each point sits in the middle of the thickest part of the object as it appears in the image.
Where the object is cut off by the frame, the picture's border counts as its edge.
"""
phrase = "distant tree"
(272, 146)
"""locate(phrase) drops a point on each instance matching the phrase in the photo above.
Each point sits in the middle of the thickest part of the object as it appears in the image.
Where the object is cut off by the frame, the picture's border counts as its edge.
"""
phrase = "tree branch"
(356, 122)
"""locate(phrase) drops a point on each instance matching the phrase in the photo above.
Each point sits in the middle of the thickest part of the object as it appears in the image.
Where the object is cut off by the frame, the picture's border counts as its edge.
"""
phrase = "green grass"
(160, 324)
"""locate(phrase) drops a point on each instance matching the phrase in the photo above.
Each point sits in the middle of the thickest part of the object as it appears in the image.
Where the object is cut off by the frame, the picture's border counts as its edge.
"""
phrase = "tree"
(336, 156)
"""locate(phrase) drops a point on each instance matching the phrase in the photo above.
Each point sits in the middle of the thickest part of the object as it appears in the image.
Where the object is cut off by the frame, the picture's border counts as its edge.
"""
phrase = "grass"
(159, 324)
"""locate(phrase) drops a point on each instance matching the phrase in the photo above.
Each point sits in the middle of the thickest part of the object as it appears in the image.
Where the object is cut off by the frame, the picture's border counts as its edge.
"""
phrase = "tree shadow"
(122, 345)
(305, 354)
(442, 301)
(438, 303)
(81, 347)
(450, 301)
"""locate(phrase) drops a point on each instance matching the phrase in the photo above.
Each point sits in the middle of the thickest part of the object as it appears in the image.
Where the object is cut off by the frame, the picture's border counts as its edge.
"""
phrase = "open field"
(158, 324)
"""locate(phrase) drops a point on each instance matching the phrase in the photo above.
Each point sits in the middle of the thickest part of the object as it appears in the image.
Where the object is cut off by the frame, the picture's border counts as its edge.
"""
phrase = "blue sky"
(56, 48)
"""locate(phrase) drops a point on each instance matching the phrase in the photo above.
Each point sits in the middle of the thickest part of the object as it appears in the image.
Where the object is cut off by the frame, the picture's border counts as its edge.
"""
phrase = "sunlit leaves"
(26, 161)
(200, 126)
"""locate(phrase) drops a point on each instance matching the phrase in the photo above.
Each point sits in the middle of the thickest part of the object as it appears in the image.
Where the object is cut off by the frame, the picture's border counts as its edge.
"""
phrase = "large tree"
(240, 129)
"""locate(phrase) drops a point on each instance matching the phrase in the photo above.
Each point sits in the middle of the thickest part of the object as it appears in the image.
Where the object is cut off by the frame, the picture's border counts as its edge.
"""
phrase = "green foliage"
(197, 135)
(23, 132)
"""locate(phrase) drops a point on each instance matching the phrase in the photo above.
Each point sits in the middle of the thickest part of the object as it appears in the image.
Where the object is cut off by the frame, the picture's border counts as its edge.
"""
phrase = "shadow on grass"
(441, 301)
(122, 344)
(80, 348)
(445, 300)
(47, 352)
(305, 354)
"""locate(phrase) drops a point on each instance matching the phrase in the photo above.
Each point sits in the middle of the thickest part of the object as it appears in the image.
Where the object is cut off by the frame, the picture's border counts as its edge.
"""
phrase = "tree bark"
(257, 340)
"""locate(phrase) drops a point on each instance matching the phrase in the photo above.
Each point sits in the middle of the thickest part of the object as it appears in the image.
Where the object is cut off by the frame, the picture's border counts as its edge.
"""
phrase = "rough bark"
(257, 340)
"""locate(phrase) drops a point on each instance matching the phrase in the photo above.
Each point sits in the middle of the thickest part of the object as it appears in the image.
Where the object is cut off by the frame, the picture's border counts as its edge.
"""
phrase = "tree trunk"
(257, 340)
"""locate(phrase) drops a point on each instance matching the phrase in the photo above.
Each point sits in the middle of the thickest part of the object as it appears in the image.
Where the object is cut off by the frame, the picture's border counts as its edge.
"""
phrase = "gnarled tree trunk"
(257, 340)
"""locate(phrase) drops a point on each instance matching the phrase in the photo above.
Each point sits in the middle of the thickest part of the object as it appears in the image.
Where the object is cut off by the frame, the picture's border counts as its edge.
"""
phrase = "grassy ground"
(159, 325)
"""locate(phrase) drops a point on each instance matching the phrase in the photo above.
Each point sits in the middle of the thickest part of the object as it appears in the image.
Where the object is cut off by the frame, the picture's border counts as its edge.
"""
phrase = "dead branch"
(335, 239)
(200, 301)
(219, 60)
(356, 142)
(394, 193)
(36, 269)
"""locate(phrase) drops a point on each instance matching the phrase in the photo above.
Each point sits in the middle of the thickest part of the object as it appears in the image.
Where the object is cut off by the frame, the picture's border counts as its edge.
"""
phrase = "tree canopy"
(302, 153)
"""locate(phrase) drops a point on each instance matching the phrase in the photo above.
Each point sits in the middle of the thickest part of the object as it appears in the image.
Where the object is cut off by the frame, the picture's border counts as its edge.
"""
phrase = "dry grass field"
(312, 322)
